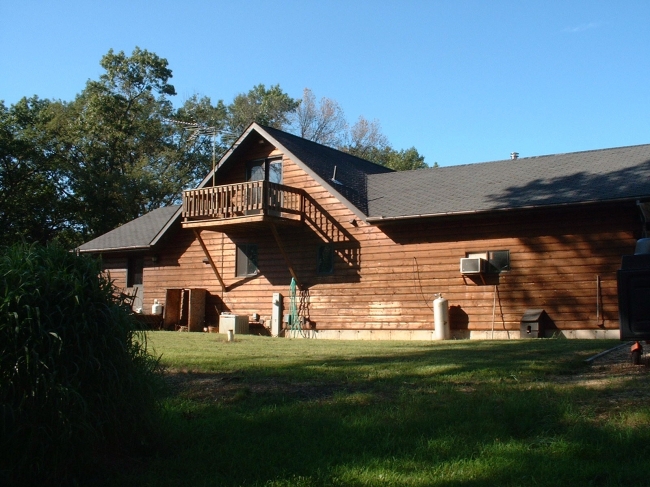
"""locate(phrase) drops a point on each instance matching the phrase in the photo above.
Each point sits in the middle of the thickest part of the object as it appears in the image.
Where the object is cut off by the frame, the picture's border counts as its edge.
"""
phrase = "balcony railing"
(251, 201)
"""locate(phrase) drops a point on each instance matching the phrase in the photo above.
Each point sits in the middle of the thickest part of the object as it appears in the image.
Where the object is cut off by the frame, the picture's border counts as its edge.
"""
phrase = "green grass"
(277, 412)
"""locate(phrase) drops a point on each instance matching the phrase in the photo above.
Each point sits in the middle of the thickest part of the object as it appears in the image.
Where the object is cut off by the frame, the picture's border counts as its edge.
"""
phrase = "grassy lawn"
(277, 412)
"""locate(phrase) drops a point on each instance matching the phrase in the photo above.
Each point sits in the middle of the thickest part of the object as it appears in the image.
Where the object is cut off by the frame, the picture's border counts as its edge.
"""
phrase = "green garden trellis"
(295, 326)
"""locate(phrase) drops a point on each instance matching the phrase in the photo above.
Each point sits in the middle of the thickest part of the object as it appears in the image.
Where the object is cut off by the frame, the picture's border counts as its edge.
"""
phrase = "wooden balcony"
(240, 203)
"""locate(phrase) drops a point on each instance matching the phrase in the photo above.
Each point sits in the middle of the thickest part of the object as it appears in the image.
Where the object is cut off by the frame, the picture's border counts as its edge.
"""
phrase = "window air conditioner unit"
(472, 265)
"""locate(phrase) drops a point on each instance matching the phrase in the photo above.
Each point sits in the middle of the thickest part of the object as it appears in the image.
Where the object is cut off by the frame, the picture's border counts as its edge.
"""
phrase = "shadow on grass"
(475, 414)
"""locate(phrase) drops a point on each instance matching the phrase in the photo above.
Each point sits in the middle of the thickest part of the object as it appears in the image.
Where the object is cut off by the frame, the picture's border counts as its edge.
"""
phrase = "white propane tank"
(157, 308)
(276, 315)
(441, 318)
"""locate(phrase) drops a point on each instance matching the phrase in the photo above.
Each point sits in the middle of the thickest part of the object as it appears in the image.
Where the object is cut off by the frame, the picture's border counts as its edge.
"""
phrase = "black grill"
(634, 293)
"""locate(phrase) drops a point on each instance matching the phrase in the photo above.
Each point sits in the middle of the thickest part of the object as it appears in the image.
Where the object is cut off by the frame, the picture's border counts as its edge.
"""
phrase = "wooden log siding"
(392, 272)
(115, 268)
(240, 199)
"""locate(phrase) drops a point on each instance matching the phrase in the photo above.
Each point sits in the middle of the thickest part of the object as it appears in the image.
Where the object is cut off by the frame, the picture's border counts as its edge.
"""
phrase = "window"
(135, 271)
(246, 260)
(255, 170)
(264, 170)
(325, 259)
(261, 170)
(275, 171)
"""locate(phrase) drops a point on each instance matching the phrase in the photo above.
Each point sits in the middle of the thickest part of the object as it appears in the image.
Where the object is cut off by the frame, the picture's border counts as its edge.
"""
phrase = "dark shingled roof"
(382, 194)
(138, 234)
(351, 171)
(580, 177)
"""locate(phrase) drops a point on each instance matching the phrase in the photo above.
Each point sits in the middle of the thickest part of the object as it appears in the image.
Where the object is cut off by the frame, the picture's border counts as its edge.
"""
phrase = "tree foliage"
(121, 159)
(73, 170)
(366, 138)
(30, 194)
(324, 122)
(402, 160)
(267, 107)
(199, 150)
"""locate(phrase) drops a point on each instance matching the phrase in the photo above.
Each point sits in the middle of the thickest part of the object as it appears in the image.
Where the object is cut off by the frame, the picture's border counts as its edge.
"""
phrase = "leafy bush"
(75, 376)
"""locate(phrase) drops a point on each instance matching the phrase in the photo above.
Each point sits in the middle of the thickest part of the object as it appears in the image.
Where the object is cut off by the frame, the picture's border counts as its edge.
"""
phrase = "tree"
(30, 194)
(324, 123)
(119, 149)
(113, 153)
(198, 150)
(406, 160)
(365, 138)
(402, 160)
(367, 141)
(121, 156)
(270, 107)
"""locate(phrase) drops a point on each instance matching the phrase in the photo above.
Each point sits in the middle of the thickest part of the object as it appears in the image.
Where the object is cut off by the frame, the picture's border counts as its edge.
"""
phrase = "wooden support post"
(284, 254)
(212, 264)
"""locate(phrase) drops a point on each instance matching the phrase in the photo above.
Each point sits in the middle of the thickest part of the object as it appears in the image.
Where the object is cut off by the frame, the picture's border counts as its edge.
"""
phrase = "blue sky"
(463, 81)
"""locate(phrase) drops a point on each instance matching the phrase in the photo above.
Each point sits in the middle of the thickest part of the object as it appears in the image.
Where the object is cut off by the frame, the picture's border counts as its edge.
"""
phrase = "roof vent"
(514, 155)
(334, 180)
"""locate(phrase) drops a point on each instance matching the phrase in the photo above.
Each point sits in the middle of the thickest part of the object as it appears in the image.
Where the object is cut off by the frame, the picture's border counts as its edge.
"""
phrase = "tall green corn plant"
(75, 376)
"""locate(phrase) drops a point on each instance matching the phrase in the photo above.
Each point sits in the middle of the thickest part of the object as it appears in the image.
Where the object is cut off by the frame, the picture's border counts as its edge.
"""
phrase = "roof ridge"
(556, 154)
(467, 164)
(578, 152)
(348, 154)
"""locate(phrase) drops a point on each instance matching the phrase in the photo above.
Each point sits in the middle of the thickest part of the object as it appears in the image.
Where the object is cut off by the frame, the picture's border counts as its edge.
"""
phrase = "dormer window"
(269, 169)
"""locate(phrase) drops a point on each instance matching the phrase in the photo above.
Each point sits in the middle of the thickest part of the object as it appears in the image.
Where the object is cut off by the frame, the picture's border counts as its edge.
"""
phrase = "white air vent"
(472, 265)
